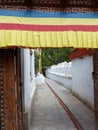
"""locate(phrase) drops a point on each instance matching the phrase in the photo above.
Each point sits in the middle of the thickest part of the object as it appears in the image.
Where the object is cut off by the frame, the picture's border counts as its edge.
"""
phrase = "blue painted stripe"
(36, 14)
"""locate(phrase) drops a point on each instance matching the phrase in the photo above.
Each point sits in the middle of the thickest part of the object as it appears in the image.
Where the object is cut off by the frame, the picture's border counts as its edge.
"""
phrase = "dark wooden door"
(18, 90)
(10, 106)
(95, 76)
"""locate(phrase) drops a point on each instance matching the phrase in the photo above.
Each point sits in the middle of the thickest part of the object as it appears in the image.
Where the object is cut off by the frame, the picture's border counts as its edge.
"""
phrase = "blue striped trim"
(36, 14)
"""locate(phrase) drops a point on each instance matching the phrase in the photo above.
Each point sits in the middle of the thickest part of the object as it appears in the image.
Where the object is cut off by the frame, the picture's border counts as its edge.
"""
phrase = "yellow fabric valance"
(33, 39)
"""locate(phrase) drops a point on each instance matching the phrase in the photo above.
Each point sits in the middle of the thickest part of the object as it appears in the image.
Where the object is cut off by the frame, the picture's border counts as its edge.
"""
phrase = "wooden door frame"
(11, 108)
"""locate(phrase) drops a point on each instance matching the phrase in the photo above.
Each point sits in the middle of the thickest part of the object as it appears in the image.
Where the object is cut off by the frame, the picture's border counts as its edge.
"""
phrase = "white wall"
(29, 78)
(61, 73)
(60, 78)
(28, 84)
(78, 78)
(63, 68)
(82, 81)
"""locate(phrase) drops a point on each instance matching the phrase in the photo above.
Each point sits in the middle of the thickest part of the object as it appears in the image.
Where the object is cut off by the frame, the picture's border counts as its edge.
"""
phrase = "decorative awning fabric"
(48, 29)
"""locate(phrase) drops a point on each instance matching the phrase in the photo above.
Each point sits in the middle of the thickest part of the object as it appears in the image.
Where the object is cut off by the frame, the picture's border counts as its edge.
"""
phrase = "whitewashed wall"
(65, 81)
(28, 79)
(77, 78)
(61, 73)
(82, 81)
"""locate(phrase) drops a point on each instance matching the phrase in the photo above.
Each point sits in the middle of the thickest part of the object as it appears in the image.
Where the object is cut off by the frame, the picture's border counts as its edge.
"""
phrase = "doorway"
(10, 90)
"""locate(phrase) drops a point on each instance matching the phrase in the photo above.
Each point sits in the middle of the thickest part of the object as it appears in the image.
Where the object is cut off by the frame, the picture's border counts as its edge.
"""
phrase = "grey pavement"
(47, 114)
(81, 112)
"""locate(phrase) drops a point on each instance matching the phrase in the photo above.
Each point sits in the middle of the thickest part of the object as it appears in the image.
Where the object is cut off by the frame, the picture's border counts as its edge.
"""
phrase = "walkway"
(47, 114)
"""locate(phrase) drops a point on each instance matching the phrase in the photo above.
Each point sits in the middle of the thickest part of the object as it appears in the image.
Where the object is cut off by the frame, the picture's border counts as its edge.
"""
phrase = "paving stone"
(46, 111)
(81, 112)
(47, 114)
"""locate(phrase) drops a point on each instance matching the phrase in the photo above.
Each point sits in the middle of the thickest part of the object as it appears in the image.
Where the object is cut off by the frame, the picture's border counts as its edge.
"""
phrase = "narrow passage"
(81, 112)
(66, 109)
(47, 114)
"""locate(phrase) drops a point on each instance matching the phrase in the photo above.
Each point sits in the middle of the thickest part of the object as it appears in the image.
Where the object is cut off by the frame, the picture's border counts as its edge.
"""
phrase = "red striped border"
(26, 27)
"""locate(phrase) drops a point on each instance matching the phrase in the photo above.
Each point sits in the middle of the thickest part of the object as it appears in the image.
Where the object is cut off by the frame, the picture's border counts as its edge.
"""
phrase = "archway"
(43, 29)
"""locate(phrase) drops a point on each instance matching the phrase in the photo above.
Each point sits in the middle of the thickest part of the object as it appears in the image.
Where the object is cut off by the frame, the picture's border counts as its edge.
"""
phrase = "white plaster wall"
(32, 81)
(82, 81)
(61, 78)
(29, 82)
(63, 68)
(61, 73)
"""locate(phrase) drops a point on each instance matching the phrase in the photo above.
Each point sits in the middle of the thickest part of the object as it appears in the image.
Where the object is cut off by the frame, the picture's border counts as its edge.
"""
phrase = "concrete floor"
(47, 114)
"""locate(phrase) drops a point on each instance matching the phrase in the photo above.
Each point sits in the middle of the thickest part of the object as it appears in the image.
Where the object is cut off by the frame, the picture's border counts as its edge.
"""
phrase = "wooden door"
(9, 102)
(18, 90)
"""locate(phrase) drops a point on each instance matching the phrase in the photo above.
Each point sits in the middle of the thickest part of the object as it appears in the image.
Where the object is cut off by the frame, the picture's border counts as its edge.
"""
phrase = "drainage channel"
(76, 124)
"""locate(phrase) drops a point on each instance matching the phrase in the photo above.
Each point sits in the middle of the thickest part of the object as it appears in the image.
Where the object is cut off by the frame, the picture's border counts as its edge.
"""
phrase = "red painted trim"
(79, 53)
(8, 26)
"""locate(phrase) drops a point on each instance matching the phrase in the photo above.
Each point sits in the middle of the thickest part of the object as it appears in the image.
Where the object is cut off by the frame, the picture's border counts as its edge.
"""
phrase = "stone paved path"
(47, 114)
(81, 112)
